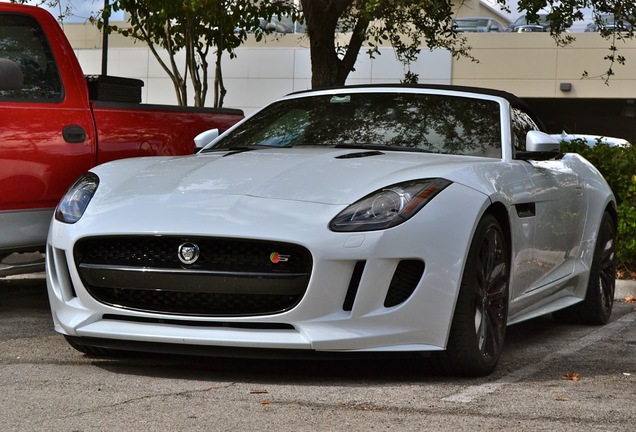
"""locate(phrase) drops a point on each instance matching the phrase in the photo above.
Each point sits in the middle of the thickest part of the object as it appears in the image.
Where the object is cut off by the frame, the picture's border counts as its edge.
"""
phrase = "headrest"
(11, 77)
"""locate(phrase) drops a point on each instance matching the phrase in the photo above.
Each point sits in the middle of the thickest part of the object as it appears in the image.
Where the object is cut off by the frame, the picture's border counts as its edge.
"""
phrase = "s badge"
(276, 258)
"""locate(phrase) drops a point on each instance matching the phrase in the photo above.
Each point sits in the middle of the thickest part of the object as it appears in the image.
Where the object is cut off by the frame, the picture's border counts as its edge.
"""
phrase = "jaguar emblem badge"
(188, 253)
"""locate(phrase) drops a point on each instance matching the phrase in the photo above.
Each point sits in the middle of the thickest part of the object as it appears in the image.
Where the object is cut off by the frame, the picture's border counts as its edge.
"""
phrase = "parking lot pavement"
(551, 377)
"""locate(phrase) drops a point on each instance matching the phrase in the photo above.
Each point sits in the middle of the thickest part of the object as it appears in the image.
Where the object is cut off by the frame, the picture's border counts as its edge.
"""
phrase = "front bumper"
(321, 321)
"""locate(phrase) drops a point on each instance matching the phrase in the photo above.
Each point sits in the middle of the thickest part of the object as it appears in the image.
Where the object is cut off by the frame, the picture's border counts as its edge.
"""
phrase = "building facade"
(566, 85)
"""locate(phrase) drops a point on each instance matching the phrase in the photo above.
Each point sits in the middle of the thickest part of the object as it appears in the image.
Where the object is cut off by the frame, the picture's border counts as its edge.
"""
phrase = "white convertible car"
(364, 220)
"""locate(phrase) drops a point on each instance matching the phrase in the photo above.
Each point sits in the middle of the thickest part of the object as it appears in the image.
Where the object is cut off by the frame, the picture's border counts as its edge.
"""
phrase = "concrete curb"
(624, 288)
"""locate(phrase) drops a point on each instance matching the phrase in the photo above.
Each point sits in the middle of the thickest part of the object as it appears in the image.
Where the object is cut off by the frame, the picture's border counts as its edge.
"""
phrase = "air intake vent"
(354, 283)
(406, 277)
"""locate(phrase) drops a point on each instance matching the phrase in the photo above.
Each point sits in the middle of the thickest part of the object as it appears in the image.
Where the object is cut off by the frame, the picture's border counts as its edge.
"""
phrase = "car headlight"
(74, 202)
(389, 206)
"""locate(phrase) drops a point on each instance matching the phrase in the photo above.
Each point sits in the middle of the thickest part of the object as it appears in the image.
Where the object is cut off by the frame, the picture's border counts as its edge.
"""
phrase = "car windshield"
(387, 121)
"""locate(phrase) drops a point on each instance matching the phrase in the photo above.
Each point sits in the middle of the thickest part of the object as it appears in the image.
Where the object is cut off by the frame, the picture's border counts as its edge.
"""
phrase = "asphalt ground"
(551, 376)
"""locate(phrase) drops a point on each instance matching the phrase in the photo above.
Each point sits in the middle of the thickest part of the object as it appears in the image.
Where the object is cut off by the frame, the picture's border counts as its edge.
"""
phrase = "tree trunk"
(219, 87)
(327, 69)
(325, 63)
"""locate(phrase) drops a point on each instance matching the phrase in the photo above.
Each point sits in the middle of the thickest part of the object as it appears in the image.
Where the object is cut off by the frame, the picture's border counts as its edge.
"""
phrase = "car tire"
(479, 323)
(596, 309)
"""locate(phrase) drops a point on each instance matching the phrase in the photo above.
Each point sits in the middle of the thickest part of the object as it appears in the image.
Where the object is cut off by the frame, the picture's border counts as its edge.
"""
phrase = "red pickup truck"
(56, 123)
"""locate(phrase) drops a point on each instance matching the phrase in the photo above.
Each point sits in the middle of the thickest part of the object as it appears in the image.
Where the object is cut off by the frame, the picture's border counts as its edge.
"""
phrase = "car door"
(553, 217)
(560, 219)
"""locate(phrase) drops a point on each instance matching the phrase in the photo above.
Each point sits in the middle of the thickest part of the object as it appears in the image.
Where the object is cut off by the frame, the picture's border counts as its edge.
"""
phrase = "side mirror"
(11, 77)
(539, 146)
(537, 141)
(205, 138)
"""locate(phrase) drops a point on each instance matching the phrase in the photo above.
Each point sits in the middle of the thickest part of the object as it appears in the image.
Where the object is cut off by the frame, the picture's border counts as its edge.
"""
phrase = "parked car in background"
(521, 22)
(361, 220)
(477, 25)
(530, 28)
(611, 23)
(592, 140)
(276, 26)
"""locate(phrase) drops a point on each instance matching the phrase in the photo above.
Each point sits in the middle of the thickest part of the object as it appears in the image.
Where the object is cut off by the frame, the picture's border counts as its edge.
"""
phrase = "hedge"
(618, 166)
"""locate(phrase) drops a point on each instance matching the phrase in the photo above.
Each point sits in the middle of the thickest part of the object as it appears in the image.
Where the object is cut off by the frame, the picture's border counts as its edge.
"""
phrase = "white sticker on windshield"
(340, 99)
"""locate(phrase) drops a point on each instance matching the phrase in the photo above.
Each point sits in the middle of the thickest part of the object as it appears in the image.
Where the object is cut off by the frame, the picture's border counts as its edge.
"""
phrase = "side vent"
(526, 210)
(60, 276)
(406, 277)
(354, 283)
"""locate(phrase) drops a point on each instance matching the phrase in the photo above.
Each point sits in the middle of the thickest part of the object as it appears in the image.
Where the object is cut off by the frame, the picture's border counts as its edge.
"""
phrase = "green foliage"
(627, 226)
(618, 166)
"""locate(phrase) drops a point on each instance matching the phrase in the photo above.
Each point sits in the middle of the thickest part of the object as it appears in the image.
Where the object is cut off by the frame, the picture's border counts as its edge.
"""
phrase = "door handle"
(74, 134)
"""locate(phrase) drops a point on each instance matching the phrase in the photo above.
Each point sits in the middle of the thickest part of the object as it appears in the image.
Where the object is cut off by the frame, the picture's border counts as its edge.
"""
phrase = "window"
(23, 42)
(522, 123)
(395, 121)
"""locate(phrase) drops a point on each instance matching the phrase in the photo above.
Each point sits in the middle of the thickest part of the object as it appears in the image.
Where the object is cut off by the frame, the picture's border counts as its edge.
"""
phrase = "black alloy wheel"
(479, 324)
(597, 307)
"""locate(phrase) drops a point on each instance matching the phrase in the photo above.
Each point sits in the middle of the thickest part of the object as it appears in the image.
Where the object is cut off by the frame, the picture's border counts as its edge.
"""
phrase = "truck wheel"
(479, 324)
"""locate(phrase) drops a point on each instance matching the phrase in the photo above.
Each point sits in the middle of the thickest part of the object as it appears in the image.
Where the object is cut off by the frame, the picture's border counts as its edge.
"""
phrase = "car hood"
(319, 175)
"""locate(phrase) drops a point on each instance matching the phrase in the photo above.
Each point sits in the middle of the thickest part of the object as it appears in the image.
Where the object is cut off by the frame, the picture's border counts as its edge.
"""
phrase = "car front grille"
(231, 277)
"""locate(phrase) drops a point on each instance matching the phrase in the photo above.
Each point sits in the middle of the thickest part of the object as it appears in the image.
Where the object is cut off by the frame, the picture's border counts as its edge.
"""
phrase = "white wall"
(258, 76)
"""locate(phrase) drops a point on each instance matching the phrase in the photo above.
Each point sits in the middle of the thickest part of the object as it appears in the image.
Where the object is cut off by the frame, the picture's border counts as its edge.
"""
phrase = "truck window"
(23, 41)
